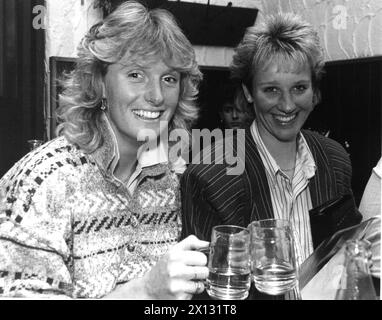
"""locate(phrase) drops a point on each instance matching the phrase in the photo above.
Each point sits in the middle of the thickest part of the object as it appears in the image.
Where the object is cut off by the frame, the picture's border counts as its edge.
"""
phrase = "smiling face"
(283, 100)
(139, 97)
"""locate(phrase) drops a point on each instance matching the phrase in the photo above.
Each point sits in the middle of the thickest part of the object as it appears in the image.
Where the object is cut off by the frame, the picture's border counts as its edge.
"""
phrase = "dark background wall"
(202, 23)
(351, 108)
(21, 80)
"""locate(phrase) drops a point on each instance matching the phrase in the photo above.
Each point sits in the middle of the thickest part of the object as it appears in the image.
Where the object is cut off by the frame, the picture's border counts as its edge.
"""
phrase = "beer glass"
(228, 263)
(273, 256)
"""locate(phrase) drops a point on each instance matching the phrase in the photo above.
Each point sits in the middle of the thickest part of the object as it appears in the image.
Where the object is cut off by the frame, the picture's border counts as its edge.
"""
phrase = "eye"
(134, 75)
(170, 79)
(271, 90)
(300, 88)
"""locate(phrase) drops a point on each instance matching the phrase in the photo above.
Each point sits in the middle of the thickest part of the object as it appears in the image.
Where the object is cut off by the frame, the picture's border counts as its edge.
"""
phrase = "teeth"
(285, 118)
(147, 114)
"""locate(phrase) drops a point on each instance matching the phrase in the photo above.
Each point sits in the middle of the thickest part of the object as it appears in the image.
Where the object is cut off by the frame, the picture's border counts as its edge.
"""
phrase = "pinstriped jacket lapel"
(260, 203)
(322, 186)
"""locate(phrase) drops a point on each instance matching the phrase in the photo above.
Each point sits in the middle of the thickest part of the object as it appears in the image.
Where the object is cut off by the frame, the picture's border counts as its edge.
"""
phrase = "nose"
(234, 114)
(287, 104)
(153, 93)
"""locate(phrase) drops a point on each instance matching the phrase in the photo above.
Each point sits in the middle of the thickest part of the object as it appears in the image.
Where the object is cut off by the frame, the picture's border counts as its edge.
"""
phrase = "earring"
(104, 105)
(247, 94)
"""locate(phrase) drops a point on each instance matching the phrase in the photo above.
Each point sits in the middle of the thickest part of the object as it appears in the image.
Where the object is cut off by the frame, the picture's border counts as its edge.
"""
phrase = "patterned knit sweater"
(67, 227)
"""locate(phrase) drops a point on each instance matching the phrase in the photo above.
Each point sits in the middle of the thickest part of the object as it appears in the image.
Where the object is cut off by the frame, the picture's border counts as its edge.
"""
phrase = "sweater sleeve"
(34, 233)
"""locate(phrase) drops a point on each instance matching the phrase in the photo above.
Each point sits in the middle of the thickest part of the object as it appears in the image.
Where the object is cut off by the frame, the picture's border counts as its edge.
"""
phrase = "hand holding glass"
(273, 261)
(228, 263)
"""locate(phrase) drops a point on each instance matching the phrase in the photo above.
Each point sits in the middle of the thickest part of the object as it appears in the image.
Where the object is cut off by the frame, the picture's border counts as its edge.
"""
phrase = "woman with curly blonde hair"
(93, 213)
(125, 39)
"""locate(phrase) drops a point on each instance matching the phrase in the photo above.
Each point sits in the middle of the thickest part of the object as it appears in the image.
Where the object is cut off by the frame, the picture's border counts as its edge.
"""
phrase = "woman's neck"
(127, 151)
(284, 152)
(127, 162)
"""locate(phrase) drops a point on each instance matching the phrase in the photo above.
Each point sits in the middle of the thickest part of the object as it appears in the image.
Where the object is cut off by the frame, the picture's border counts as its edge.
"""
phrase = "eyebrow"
(141, 66)
(276, 82)
(268, 83)
(131, 65)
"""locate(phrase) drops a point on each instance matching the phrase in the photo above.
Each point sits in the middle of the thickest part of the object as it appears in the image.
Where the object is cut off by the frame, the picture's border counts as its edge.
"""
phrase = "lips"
(236, 124)
(285, 120)
(147, 115)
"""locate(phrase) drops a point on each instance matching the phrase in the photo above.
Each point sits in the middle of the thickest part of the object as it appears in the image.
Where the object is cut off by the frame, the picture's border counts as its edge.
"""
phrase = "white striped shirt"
(291, 199)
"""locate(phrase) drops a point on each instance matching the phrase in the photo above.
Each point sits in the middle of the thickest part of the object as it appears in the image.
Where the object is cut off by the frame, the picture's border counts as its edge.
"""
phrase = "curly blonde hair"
(140, 33)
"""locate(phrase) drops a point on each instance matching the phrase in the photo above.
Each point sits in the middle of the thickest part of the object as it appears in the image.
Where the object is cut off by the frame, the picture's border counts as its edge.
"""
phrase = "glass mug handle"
(205, 250)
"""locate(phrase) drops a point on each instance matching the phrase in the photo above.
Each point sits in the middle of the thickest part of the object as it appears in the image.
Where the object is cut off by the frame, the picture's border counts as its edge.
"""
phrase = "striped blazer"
(211, 197)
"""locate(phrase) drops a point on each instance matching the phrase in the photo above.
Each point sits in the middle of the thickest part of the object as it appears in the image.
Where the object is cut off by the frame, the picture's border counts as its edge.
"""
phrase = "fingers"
(183, 268)
(238, 259)
(205, 250)
(194, 287)
(191, 243)
(194, 273)
(191, 251)
(182, 271)
(179, 287)
(189, 258)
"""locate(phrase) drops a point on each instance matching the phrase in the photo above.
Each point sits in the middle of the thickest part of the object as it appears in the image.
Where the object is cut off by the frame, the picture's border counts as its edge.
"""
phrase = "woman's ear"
(247, 94)
(316, 98)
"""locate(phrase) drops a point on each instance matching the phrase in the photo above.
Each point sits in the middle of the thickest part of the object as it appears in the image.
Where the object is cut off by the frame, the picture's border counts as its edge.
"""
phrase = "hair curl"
(134, 31)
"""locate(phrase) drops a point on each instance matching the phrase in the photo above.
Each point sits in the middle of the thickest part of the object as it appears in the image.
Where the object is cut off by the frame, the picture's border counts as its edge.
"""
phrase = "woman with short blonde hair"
(290, 173)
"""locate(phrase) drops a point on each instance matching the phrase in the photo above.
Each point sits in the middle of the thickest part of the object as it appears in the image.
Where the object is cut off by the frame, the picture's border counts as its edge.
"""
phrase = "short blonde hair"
(281, 38)
(140, 33)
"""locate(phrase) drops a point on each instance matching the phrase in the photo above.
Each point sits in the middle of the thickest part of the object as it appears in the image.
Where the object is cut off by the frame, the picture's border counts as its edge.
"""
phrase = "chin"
(285, 135)
(287, 138)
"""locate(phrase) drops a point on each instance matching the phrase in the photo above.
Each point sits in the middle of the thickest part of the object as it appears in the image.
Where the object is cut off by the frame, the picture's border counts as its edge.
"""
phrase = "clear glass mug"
(274, 266)
(228, 263)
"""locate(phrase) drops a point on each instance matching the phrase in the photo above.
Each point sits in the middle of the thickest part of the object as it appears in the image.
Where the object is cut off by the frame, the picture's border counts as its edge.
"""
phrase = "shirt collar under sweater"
(153, 161)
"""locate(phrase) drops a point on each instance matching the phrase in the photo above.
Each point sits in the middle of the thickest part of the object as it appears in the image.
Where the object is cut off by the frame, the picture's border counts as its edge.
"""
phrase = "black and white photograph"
(211, 152)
